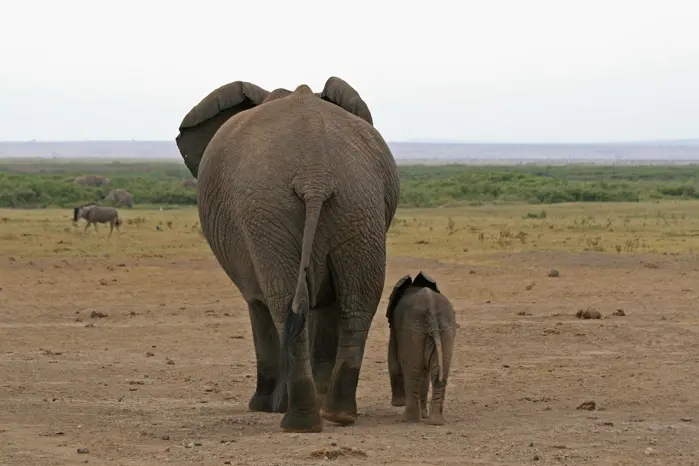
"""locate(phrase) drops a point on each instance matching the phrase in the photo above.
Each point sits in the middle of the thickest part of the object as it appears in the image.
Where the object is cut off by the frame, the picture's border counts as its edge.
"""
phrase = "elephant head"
(205, 118)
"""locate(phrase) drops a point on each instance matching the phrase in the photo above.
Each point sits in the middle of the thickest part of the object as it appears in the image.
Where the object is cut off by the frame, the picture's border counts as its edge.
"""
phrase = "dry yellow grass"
(466, 234)
(453, 234)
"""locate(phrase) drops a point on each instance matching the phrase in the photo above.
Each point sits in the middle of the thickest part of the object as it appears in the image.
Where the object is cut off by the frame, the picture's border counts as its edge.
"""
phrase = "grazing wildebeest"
(95, 214)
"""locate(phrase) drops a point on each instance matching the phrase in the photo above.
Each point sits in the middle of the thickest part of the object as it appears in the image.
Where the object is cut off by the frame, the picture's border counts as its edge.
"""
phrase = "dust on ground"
(150, 361)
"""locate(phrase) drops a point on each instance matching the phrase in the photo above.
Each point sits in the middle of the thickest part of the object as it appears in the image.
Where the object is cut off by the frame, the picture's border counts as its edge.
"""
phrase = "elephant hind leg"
(413, 387)
(395, 372)
(324, 325)
(266, 340)
(413, 365)
(424, 388)
(295, 375)
(303, 413)
(439, 387)
(358, 275)
(275, 268)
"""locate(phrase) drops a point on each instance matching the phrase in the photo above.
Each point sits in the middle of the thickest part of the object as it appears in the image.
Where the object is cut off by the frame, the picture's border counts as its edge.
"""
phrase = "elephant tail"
(434, 331)
(296, 317)
(313, 207)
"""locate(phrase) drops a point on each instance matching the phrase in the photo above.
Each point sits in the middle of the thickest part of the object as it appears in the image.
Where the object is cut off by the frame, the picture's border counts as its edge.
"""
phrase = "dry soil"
(145, 361)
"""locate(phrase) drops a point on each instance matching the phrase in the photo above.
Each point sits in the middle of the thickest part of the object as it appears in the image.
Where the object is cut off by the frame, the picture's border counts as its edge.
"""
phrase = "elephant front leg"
(394, 371)
(266, 341)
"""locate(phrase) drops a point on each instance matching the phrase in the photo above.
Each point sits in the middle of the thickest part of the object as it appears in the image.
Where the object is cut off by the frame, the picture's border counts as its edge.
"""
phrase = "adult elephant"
(296, 192)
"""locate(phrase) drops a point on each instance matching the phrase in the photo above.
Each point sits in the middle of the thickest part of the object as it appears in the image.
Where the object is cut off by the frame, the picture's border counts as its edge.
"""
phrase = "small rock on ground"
(588, 313)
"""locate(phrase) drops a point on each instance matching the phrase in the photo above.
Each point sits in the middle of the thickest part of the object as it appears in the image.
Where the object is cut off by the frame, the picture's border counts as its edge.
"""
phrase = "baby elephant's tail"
(434, 331)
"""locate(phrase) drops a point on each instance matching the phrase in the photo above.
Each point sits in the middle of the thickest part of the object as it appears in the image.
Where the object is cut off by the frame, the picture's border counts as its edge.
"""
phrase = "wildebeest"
(95, 214)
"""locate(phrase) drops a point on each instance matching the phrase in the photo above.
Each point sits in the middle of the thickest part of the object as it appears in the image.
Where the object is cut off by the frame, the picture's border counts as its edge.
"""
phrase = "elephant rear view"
(422, 333)
(296, 192)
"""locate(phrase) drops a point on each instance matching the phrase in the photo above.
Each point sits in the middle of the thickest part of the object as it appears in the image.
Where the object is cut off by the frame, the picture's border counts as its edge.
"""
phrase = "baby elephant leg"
(439, 387)
(424, 387)
(412, 363)
(412, 398)
(395, 372)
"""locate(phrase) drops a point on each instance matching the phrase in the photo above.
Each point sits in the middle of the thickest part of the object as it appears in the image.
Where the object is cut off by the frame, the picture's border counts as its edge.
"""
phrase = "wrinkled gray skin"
(420, 346)
(120, 197)
(296, 192)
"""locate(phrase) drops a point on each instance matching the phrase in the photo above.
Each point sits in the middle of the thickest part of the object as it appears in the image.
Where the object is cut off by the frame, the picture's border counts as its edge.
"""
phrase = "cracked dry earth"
(145, 362)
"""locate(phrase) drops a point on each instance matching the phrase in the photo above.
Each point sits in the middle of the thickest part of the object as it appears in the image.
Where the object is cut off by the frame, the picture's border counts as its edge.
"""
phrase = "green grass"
(47, 183)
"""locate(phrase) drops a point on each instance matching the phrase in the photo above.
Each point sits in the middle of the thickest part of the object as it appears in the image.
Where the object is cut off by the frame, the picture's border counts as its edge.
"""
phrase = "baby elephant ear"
(425, 280)
(340, 93)
(398, 290)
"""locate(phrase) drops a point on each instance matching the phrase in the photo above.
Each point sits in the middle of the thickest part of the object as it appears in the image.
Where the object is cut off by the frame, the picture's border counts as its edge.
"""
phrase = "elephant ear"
(424, 280)
(202, 121)
(343, 95)
(396, 294)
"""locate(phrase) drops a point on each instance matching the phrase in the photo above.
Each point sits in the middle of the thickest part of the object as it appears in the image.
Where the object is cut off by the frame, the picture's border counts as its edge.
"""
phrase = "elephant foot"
(303, 415)
(265, 404)
(411, 415)
(435, 419)
(398, 400)
(263, 399)
(423, 413)
(302, 422)
(341, 418)
(341, 403)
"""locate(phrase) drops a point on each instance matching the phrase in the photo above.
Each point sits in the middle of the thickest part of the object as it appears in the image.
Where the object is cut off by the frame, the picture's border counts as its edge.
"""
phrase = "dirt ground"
(165, 374)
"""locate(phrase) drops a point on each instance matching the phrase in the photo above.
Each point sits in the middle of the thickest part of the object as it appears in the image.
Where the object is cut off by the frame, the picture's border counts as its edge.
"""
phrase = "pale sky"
(487, 71)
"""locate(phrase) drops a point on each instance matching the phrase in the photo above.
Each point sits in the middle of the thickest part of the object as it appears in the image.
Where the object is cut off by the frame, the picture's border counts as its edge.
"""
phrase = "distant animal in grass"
(94, 214)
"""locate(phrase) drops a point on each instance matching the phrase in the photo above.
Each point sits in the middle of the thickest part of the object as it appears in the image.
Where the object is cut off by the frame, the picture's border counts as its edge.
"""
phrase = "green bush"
(48, 183)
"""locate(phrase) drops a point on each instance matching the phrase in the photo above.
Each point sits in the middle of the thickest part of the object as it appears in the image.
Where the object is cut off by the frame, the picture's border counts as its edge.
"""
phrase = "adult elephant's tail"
(300, 305)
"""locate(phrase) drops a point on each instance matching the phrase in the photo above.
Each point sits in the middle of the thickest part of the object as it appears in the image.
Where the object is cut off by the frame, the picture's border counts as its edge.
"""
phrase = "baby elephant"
(422, 330)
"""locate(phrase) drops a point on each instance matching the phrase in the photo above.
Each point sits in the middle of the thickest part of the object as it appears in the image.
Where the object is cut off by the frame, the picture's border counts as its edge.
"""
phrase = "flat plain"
(137, 349)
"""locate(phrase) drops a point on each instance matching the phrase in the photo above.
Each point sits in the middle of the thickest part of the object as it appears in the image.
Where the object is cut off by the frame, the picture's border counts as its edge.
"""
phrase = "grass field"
(459, 234)
(138, 349)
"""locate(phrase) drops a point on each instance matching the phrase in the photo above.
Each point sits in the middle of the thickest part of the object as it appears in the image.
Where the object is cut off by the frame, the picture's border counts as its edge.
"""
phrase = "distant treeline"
(47, 183)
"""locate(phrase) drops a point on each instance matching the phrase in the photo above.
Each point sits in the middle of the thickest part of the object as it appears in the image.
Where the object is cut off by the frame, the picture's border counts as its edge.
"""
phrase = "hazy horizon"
(680, 151)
